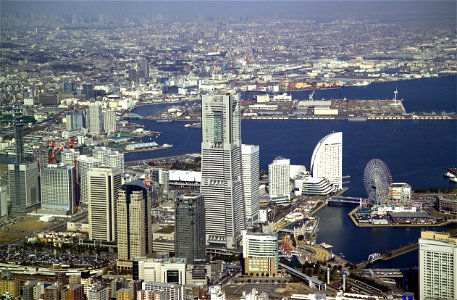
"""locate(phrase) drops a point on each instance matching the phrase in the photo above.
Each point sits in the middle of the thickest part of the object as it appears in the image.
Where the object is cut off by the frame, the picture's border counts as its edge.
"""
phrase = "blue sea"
(416, 152)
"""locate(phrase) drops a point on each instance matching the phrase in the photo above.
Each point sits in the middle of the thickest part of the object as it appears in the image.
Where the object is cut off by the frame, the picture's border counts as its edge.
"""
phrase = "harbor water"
(416, 152)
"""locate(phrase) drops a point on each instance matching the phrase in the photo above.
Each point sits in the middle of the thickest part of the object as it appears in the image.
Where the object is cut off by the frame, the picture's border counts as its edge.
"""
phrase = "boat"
(193, 125)
(362, 83)
(451, 173)
(163, 121)
(357, 119)
(453, 179)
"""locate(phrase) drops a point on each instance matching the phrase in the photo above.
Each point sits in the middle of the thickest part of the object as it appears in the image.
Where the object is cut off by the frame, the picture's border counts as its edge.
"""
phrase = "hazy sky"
(394, 10)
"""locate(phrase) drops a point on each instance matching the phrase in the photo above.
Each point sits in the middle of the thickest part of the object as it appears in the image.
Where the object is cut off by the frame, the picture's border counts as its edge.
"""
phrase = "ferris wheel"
(377, 180)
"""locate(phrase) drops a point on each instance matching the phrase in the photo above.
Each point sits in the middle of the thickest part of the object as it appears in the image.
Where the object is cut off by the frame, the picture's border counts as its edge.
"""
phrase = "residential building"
(103, 184)
(75, 120)
(69, 157)
(94, 119)
(251, 175)
(98, 292)
(11, 286)
(221, 184)
(437, 266)
(109, 122)
(166, 291)
(109, 157)
(190, 227)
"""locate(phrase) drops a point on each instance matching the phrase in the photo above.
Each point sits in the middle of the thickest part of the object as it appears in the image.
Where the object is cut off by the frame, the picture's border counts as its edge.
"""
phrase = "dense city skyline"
(164, 150)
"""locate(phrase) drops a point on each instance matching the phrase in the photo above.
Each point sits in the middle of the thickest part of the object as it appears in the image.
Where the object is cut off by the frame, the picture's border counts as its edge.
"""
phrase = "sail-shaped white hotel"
(327, 159)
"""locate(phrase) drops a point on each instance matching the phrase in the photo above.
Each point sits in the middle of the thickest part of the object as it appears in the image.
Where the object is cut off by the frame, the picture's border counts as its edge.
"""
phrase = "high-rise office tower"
(75, 120)
(109, 157)
(250, 163)
(58, 190)
(95, 119)
(437, 266)
(85, 164)
(134, 232)
(145, 69)
(190, 227)
(221, 184)
(327, 159)
(279, 178)
(88, 90)
(23, 187)
(260, 254)
(109, 121)
(103, 184)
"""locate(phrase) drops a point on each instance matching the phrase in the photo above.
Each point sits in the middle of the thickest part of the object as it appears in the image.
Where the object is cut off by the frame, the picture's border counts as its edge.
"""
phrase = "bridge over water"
(344, 199)
(387, 255)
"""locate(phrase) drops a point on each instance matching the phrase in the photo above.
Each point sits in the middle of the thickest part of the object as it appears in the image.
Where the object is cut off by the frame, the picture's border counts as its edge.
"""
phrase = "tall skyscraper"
(145, 69)
(279, 178)
(221, 184)
(23, 187)
(327, 159)
(190, 227)
(437, 266)
(134, 232)
(75, 120)
(103, 184)
(58, 190)
(109, 121)
(95, 119)
(84, 165)
(250, 163)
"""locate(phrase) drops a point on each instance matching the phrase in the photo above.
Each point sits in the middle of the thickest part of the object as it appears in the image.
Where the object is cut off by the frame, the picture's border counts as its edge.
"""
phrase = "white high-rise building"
(250, 163)
(95, 119)
(221, 185)
(109, 121)
(109, 157)
(437, 266)
(84, 165)
(58, 189)
(103, 184)
(69, 156)
(327, 159)
(279, 178)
